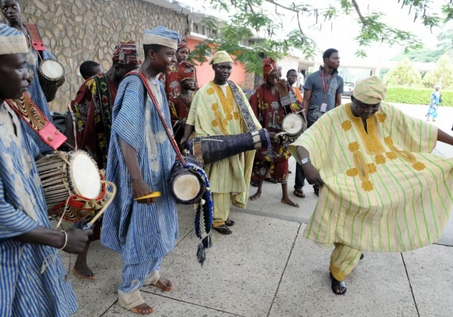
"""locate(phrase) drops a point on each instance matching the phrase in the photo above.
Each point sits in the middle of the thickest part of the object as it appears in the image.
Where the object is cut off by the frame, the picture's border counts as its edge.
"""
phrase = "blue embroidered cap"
(12, 41)
(162, 36)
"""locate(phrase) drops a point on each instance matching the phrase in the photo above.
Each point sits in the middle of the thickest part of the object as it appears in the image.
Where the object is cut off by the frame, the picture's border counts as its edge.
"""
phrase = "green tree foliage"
(245, 20)
(431, 55)
(403, 74)
(442, 75)
(423, 55)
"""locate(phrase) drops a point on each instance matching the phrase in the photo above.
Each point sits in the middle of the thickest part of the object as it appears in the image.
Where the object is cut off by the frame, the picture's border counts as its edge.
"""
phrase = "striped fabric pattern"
(384, 190)
(213, 113)
(140, 232)
(24, 291)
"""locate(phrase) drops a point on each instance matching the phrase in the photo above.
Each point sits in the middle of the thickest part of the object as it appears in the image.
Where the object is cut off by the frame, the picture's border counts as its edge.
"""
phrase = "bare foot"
(164, 284)
(289, 202)
(142, 309)
(255, 197)
(82, 271)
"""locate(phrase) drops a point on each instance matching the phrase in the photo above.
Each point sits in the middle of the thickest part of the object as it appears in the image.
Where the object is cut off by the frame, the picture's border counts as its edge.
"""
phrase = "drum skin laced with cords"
(74, 188)
(51, 77)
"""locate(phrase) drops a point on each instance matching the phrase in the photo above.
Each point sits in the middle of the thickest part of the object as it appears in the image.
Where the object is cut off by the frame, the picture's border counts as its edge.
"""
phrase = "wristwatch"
(304, 161)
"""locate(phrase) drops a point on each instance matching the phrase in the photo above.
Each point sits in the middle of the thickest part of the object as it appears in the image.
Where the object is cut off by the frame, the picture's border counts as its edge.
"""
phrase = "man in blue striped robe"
(139, 162)
(32, 276)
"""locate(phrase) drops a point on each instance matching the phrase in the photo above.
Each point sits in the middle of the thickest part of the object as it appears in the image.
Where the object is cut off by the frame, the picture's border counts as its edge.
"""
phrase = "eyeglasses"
(363, 106)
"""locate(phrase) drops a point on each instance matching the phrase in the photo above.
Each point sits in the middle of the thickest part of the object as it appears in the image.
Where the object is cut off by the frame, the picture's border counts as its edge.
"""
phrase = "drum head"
(186, 187)
(52, 69)
(292, 124)
(85, 175)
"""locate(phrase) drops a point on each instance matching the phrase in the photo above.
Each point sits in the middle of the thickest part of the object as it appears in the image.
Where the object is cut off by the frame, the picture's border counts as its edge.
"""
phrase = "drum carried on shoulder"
(51, 77)
(74, 188)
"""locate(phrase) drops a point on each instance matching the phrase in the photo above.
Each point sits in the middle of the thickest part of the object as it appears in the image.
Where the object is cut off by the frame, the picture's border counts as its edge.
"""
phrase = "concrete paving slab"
(165, 307)
(242, 270)
(430, 272)
(186, 217)
(447, 236)
(269, 204)
(95, 297)
(377, 287)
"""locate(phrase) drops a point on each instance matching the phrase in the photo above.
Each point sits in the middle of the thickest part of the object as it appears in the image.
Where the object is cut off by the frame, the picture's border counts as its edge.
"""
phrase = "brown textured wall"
(76, 30)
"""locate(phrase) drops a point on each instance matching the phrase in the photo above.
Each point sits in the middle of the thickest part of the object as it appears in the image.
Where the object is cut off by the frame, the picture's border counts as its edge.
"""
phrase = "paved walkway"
(266, 268)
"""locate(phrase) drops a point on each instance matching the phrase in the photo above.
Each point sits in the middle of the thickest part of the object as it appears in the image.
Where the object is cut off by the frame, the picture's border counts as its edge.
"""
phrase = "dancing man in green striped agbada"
(382, 189)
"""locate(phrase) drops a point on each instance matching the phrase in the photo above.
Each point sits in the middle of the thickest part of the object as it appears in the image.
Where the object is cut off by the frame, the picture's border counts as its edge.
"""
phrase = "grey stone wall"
(76, 30)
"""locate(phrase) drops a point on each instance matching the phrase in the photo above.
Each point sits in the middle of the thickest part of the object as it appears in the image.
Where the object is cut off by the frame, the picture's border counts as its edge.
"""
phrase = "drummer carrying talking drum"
(140, 159)
(92, 112)
(12, 12)
(266, 104)
(217, 109)
(32, 276)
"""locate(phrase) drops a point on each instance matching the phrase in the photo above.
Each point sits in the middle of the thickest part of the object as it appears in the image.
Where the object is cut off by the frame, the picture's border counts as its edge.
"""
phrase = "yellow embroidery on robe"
(381, 117)
(371, 139)
(346, 125)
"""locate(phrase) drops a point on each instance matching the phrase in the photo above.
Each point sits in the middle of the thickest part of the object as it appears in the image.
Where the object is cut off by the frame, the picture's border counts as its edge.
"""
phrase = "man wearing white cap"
(139, 163)
(381, 188)
(220, 107)
(32, 276)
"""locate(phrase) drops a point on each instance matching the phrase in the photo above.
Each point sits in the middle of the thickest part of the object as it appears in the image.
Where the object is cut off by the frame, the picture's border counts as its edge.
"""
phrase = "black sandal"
(316, 190)
(339, 288)
(223, 229)
(299, 193)
(229, 222)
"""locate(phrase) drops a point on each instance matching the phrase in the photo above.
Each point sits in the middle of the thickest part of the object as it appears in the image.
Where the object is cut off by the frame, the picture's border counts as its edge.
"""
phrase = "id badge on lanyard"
(325, 87)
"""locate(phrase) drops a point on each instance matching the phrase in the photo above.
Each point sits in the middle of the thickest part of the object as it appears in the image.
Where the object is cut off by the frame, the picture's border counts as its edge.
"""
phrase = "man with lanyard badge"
(322, 92)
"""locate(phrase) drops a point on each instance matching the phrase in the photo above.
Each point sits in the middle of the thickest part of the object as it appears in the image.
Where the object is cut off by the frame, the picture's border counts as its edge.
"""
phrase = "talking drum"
(210, 149)
(293, 125)
(186, 185)
(51, 77)
(72, 185)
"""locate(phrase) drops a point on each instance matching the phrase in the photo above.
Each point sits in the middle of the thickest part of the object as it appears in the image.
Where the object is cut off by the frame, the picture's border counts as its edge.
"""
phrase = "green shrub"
(417, 96)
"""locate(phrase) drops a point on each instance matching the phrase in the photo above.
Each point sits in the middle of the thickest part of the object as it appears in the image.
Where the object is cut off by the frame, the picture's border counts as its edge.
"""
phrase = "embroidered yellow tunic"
(383, 190)
(214, 113)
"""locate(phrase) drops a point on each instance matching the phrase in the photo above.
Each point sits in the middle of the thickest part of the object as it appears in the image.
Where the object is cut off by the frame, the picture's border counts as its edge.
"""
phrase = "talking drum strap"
(248, 119)
(161, 116)
(29, 112)
(36, 39)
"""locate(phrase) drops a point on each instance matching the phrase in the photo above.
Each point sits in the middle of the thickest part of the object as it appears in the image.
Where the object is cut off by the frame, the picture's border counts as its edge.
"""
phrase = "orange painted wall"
(206, 74)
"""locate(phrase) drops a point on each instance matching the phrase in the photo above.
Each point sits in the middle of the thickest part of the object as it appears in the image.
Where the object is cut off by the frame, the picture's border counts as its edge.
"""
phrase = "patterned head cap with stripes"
(12, 41)
(370, 90)
(126, 53)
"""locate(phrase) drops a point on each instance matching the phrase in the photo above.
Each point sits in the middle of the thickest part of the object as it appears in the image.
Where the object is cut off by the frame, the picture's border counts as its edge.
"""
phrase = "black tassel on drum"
(203, 216)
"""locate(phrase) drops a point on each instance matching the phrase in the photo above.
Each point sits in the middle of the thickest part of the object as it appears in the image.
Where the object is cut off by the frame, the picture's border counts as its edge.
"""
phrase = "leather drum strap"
(36, 39)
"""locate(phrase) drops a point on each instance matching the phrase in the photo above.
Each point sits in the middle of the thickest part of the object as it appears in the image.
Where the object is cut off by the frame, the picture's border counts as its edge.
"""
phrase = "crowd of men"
(380, 189)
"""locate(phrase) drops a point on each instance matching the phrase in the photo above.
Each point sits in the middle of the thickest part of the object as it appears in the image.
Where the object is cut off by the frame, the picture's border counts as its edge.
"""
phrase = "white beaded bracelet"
(65, 240)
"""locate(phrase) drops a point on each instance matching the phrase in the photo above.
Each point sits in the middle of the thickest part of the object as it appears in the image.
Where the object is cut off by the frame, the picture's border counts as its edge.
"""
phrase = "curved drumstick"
(90, 225)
